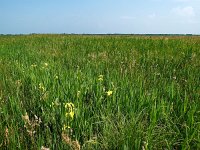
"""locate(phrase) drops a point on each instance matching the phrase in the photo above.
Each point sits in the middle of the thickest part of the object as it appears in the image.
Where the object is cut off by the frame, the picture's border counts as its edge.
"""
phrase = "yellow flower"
(69, 105)
(109, 92)
(70, 110)
(65, 127)
(70, 114)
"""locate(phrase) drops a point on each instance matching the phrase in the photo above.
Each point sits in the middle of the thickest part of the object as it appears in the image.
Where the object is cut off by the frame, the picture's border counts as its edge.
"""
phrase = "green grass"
(155, 102)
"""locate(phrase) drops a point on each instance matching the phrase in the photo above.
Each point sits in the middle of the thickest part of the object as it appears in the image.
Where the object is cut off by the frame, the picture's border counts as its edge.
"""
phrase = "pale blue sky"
(100, 16)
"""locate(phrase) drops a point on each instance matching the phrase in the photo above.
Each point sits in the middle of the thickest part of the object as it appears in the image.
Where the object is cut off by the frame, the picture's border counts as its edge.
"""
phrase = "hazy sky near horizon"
(100, 16)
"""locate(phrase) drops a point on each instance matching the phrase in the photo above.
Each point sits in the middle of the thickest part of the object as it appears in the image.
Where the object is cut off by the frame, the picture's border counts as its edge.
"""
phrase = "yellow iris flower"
(109, 93)
(70, 110)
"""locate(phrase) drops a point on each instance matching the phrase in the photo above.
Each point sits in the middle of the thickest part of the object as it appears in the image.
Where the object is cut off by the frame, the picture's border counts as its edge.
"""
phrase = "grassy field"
(99, 92)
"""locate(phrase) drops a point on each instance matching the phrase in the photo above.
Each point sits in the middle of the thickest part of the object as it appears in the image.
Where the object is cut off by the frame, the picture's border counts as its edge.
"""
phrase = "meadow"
(99, 92)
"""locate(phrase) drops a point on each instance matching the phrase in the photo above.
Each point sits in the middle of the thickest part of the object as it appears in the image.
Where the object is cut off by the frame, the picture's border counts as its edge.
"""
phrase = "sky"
(100, 16)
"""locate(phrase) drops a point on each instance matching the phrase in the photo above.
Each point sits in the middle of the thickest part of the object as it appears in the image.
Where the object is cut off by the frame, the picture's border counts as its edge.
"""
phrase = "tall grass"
(154, 85)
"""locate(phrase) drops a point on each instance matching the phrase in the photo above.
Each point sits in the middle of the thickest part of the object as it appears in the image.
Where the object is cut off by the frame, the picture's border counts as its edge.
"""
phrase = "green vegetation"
(99, 92)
